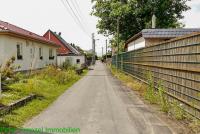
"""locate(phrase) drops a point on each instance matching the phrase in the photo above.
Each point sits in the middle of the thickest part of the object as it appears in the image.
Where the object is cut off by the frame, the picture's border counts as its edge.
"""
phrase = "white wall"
(28, 62)
(72, 59)
(136, 44)
(1, 50)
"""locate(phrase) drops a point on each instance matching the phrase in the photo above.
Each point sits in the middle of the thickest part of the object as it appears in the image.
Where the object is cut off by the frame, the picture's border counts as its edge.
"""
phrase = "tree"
(136, 15)
(80, 49)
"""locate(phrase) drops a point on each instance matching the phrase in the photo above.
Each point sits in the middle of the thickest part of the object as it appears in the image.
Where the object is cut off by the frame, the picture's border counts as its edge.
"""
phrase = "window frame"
(40, 53)
(19, 51)
(51, 54)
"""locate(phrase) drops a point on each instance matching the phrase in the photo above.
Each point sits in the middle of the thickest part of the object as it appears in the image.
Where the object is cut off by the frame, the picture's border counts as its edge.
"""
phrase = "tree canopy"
(135, 15)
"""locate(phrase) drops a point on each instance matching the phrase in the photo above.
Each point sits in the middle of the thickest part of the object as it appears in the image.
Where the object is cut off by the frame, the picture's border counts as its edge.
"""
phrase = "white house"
(149, 37)
(66, 51)
(30, 50)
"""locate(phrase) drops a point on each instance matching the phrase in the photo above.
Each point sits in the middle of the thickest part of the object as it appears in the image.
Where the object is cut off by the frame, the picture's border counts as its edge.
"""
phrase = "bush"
(178, 111)
(150, 93)
(58, 75)
(67, 64)
(8, 72)
(163, 101)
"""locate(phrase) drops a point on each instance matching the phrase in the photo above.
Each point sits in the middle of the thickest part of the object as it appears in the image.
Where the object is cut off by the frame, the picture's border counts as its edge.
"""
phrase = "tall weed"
(150, 93)
(163, 101)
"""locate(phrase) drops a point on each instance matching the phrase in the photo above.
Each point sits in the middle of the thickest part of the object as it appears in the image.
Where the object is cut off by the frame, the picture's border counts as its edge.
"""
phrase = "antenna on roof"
(154, 21)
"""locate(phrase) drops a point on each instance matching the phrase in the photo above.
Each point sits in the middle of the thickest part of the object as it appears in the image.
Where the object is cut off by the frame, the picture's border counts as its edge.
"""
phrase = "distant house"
(30, 50)
(66, 50)
(148, 37)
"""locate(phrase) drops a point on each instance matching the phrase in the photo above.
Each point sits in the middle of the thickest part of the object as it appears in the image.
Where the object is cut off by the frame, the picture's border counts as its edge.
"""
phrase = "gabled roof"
(68, 45)
(163, 33)
(6, 27)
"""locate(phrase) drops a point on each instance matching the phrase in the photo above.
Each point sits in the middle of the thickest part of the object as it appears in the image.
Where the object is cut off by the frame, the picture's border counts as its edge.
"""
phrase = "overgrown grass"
(162, 98)
(11, 96)
(150, 93)
(49, 84)
(129, 81)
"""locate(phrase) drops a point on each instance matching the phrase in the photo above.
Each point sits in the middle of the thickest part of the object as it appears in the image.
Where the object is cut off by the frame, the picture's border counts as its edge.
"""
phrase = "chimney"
(154, 21)
(59, 33)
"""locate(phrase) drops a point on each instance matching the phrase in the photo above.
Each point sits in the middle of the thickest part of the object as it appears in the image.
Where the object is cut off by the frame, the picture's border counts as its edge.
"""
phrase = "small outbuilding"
(149, 37)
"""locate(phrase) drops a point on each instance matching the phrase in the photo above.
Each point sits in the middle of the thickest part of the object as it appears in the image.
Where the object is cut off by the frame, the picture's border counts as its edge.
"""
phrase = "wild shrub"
(163, 101)
(8, 72)
(67, 64)
(178, 111)
(150, 93)
(59, 76)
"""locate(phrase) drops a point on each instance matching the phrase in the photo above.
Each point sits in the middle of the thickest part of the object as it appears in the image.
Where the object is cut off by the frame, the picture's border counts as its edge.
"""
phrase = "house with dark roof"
(149, 37)
(31, 51)
(66, 51)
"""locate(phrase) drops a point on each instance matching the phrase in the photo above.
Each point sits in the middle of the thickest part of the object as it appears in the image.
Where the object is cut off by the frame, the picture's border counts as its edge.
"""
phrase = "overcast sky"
(40, 15)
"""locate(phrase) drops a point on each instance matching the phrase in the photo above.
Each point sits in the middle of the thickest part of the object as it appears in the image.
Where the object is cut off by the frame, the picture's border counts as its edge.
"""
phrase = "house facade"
(30, 50)
(66, 51)
(149, 37)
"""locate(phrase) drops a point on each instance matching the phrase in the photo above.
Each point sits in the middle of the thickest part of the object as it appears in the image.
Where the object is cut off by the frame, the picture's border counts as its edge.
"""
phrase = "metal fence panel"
(176, 63)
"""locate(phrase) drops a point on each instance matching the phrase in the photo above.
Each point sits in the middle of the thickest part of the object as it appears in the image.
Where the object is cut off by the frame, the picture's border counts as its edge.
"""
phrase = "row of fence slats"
(175, 63)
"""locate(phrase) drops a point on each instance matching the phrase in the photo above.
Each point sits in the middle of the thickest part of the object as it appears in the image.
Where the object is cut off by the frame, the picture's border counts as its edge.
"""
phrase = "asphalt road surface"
(100, 104)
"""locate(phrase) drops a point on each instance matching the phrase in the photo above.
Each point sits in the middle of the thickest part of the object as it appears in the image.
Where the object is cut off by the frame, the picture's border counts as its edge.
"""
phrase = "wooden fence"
(176, 63)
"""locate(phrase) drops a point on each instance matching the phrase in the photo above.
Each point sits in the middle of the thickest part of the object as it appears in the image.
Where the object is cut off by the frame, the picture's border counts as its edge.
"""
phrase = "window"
(51, 56)
(19, 52)
(77, 61)
(40, 53)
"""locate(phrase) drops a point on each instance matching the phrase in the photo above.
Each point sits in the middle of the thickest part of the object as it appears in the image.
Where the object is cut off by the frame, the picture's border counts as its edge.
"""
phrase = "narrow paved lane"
(99, 104)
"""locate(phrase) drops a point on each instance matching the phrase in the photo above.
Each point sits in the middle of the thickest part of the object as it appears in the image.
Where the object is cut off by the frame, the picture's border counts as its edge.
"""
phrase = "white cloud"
(192, 17)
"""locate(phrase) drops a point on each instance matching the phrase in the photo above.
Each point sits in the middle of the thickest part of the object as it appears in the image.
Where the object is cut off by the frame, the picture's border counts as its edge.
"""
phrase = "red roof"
(51, 36)
(65, 48)
(7, 27)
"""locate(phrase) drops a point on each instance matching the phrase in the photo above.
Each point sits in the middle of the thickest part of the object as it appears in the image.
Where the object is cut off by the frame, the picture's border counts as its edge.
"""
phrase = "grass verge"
(48, 85)
(157, 96)
(128, 80)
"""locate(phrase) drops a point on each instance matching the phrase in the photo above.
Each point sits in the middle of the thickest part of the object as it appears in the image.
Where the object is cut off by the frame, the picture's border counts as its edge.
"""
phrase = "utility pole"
(106, 49)
(93, 49)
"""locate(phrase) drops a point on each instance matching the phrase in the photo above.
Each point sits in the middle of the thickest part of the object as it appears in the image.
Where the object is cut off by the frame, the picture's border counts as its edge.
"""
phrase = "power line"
(78, 10)
(74, 16)
(69, 11)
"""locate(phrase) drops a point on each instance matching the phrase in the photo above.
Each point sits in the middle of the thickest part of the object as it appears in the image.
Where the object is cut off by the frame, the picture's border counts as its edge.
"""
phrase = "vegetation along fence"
(176, 63)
